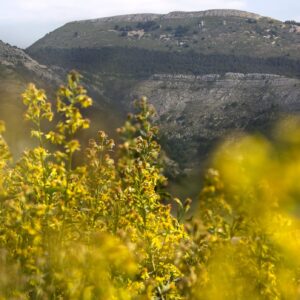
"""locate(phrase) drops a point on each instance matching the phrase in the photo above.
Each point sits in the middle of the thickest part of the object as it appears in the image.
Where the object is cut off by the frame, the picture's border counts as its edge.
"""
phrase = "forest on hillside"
(139, 63)
(95, 221)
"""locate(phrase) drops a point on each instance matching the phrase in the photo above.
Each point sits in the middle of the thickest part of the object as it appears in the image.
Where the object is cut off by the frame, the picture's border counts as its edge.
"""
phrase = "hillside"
(179, 42)
(17, 69)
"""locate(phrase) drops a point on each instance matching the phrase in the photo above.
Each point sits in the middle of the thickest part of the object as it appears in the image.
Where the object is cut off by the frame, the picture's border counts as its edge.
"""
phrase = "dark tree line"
(141, 62)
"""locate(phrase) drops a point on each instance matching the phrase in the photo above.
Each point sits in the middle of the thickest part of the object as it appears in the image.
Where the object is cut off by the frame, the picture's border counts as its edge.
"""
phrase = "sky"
(22, 22)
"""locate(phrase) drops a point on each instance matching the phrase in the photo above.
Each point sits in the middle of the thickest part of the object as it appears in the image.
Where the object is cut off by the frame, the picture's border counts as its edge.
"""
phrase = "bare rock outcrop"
(195, 112)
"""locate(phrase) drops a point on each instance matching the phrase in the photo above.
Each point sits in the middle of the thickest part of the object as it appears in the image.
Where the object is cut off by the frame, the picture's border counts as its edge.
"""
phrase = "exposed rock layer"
(197, 111)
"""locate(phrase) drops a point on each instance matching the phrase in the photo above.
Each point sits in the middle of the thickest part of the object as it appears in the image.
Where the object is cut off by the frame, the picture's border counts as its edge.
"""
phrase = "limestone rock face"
(197, 111)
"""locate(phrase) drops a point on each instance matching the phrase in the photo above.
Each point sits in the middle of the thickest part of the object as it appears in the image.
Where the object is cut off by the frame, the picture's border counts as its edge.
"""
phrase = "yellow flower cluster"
(96, 230)
(103, 228)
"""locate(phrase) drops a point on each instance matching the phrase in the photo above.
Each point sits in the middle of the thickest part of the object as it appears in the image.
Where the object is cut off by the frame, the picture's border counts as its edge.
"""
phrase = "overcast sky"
(24, 21)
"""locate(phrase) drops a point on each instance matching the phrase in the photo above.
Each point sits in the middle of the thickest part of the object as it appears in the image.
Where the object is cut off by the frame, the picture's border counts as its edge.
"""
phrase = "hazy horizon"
(21, 23)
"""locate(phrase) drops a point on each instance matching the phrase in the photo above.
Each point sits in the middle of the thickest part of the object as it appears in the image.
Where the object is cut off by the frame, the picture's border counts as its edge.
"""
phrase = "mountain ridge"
(226, 32)
(174, 14)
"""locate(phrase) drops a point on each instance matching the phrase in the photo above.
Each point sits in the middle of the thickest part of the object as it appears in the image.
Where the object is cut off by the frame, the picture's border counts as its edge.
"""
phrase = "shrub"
(181, 30)
(148, 26)
(292, 22)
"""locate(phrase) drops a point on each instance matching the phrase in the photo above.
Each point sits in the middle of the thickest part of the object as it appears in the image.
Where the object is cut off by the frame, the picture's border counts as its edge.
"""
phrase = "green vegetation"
(103, 228)
(148, 26)
(141, 63)
(292, 22)
(209, 35)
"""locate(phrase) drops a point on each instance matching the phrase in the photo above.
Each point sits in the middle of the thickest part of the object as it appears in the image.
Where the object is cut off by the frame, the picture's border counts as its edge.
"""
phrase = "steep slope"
(17, 69)
(16, 59)
(195, 112)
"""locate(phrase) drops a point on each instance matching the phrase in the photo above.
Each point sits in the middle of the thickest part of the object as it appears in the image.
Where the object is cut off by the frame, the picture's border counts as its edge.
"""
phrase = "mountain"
(179, 42)
(207, 73)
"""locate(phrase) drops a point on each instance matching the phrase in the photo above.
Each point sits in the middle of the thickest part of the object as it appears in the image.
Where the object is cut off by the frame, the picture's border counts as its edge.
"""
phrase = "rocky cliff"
(195, 112)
